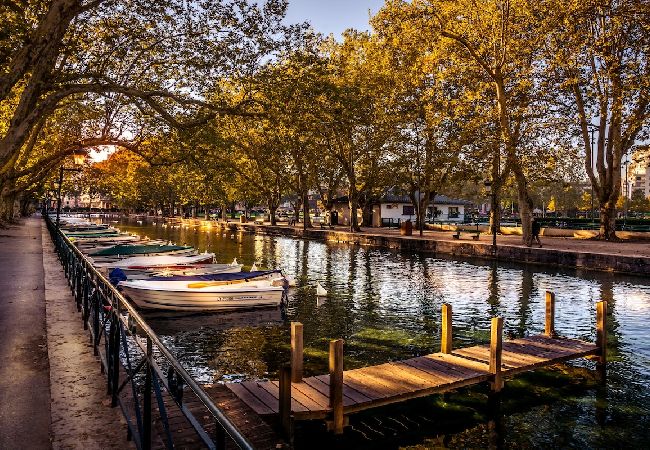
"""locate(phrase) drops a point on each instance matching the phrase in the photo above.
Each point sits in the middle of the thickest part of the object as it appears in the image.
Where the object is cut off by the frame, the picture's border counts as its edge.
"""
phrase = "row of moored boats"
(160, 275)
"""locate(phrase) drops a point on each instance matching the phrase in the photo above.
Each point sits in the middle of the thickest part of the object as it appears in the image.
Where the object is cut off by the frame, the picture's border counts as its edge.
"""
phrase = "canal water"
(386, 305)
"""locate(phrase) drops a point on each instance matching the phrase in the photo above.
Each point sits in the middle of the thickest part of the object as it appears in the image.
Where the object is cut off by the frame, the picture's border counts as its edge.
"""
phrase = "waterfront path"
(53, 394)
(24, 366)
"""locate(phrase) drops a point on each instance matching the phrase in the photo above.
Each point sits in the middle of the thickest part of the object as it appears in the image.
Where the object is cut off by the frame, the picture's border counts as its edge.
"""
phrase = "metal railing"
(130, 350)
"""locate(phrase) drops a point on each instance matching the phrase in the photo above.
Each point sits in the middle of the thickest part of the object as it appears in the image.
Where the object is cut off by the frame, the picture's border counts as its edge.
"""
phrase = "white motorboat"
(159, 261)
(204, 295)
(180, 270)
(105, 240)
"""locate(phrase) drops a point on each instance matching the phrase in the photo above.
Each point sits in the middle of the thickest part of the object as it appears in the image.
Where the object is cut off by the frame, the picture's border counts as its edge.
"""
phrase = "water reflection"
(386, 305)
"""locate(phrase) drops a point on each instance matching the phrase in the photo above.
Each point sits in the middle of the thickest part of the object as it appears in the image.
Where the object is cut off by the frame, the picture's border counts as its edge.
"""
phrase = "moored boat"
(172, 271)
(125, 250)
(204, 295)
(158, 262)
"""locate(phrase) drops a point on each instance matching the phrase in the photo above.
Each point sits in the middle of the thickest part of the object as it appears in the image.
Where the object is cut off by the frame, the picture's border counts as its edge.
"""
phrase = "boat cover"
(116, 275)
(138, 249)
(217, 276)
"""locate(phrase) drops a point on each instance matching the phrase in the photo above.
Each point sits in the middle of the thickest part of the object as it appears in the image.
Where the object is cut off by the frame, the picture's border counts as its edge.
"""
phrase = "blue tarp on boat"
(217, 276)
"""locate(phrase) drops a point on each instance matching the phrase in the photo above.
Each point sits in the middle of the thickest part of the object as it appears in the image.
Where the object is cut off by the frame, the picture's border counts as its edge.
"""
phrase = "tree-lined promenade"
(211, 103)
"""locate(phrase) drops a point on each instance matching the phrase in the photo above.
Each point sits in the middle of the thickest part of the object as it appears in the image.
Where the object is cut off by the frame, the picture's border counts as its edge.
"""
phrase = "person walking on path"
(537, 227)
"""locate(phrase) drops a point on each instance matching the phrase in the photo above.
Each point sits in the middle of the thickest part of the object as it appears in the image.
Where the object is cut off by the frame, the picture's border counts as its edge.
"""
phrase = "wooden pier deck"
(374, 386)
(340, 393)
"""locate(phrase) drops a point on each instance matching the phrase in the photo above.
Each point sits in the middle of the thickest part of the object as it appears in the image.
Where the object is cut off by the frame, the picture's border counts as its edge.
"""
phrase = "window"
(453, 212)
(408, 210)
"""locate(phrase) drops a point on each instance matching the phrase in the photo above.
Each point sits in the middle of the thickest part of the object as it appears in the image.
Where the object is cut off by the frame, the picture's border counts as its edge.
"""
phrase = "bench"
(476, 234)
(323, 225)
(259, 221)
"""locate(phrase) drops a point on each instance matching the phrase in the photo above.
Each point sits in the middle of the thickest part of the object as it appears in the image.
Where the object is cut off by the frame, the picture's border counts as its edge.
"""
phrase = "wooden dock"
(340, 393)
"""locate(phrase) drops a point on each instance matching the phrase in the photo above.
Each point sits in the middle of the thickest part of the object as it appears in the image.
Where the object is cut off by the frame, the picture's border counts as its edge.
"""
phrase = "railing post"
(445, 340)
(115, 375)
(496, 346)
(549, 329)
(296, 352)
(86, 295)
(336, 384)
(96, 302)
(285, 400)
(601, 331)
(108, 342)
(146, 432)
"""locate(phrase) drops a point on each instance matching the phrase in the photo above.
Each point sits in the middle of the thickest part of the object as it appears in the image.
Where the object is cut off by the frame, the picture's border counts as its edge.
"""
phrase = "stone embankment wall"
(552, 257)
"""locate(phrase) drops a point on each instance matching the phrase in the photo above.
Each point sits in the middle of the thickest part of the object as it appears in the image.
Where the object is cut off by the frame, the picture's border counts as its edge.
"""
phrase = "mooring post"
(601, 332)
(496, 346)
(549, 329)
(285, 400)
(445, 340)
(336, 384)
(296, 352)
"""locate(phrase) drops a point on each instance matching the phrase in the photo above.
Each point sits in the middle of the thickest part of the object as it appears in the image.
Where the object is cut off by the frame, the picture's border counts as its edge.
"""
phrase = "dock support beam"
(296, 352)
(549, 329)
(285, 401)
(336, 385)
(601, 332)
(445, 340)
(496, 347)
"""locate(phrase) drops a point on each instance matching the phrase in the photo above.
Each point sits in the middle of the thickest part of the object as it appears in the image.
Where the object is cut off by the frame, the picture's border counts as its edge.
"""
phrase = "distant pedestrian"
(537, 227)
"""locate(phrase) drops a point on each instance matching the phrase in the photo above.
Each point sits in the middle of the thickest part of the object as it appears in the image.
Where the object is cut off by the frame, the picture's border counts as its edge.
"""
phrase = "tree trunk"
(422, 209)
(306, 222)
(224, 212)
(272, 209)
(608, 220)
(353, 203)
(7, 202)
(525, 207)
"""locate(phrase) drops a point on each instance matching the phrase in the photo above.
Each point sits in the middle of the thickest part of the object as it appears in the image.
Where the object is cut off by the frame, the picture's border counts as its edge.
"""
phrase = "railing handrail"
(231, 429)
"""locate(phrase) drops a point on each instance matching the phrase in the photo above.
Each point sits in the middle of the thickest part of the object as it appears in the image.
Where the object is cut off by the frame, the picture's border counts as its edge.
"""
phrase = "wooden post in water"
(336, 384)
(549, 329)
(285, 400)
(601, 332)
(296, 352)
(496, 346)
(445, 340)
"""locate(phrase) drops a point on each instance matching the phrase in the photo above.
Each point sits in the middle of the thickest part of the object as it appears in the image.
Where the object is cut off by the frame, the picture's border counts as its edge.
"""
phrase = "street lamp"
(78, 157)
(627, 189)
(494, 210)
(593, 129)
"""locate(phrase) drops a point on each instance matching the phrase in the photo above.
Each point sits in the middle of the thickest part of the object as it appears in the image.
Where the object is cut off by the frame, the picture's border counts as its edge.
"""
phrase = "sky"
(333, 16)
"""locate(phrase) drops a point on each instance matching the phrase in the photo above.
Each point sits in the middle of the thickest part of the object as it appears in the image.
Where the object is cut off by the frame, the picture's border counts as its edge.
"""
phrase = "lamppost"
(494, 211)
(627, 188)
(592, 169)
(79, 157)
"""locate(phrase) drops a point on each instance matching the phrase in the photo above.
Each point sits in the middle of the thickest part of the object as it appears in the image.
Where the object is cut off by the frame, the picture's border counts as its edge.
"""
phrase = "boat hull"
(203, 301)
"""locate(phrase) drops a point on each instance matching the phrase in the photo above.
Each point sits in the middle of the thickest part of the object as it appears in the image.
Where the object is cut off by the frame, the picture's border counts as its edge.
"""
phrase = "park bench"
(259, 221)
(324, 225)
(475, 234)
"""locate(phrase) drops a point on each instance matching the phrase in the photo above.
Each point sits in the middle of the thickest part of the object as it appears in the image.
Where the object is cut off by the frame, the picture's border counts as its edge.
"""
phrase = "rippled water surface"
(386, 306)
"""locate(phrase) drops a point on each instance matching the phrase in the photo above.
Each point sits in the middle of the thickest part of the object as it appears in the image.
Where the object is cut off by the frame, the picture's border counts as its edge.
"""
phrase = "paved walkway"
(24, 366)
(51, 389)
